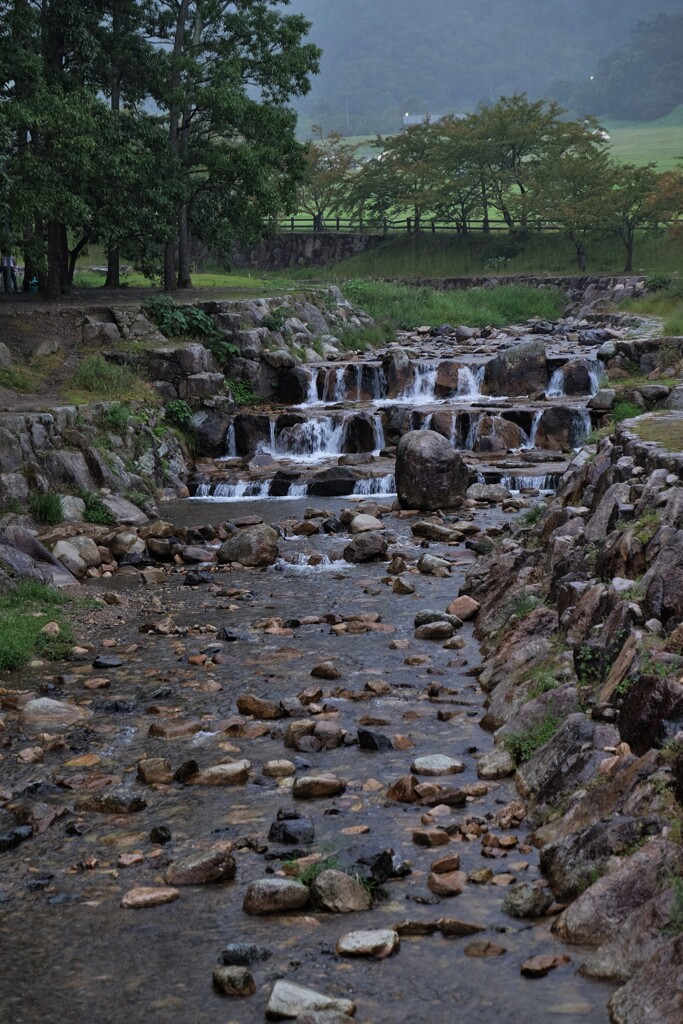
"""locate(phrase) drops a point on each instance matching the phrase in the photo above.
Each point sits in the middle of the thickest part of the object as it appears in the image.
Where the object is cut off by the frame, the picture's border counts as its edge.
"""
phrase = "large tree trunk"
(57, 260)
(113, 279)
(580, 255)
(184, 279)
(175, 111)
(629, 241)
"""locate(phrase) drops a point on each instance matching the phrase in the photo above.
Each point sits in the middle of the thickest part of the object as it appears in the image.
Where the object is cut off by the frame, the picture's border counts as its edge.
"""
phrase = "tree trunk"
(57, 256)
(184, 279)
(175, 112)
(73, 257)
(113, 279)
(486, 224)
(580, 255)
(630, 239)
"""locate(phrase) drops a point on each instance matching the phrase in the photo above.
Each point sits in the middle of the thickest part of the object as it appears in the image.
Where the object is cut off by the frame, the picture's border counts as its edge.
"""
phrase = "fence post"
(291, 225)
(337, 223)
(433, 227)
(409, 225)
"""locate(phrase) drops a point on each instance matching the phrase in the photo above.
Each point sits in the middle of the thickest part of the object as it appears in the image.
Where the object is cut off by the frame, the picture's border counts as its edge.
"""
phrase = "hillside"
(381, 60)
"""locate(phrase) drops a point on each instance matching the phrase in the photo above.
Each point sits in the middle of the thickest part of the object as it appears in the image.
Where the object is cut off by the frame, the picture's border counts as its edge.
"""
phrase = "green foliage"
(23, 613)
(275, 320)
(541, 681)
(354, 339)
(523, 604)
(189, 321)
(308, 874)
(658, 281)
(532, 515)
(624, 410)
(178, 413)
(408, 307)
(46, 508)
(167, 315)
(116, 418)
(523, 745)
(242, 392)
(96, 511)
(589, 670)
(646, 526)
(95, 376)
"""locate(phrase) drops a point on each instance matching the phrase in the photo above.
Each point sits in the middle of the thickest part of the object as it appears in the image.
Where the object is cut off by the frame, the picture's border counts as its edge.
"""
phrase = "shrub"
(96, 511)
(167, 315)
(116, 418)
(533, 514)
(624, 410)
(46, 508)
(241, 392)
(276, 319)
(178, 413)
(524, 744)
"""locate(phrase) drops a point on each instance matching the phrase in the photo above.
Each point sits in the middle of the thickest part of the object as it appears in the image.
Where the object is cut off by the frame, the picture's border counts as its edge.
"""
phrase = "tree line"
(515, 159)
(142, 125)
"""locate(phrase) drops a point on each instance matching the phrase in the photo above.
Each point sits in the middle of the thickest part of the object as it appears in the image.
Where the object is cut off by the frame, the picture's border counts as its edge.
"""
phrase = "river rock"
(242, 954)
(447, 883)
(154, 771)
(655, 992)
(70, 557)
(339, 893)
(214, 865)
(252, 546)
(464, 608)
(290, 1001)
(249, 704)
(321, 784)
(364, 523)
(233, 981)
(539, 966)
(46, 713)
(366, 547)
(491, 493)
(233, 773)
(434, 631)
(526, 899)
(378, 944)
(496, 764)
(430, 474)
(275, 896)
(148, 896)
(520, 370)
(280, 769)
(436, 764)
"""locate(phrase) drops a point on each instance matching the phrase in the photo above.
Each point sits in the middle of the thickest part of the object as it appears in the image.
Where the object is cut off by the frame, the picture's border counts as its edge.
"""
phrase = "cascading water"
(376, 485)
(470, 380)
(581, 428)
(421, 386)
(596, 372)
(531, 437)
(230, 443)
(529, 483)
(472, 429)
(555, 387)
(335, 385)
(315, 439)
(234, 491)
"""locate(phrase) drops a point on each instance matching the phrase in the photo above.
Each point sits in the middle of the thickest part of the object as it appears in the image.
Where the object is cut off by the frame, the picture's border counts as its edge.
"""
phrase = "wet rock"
(155, 770)
(15, 837)
(326, 670)
(214, 865)
(451, 862)
(296, 831)
(275, 896)
(371, 863)
(364, 523)
(431, 837)
(539, 966)
(111, 802)
(491, 493)
(430, 474)
(252, 546)
(431, 565)
(366, 547)
(449, 883)
(483, 948)
(234, 773)
(374, 741)
(149, 896)
(427, 617)
(107, 661)
(290, 1001)
(437, 764)
(464, 608)
(46, 713)
(378, 944)
(338, 893)
(434, 631)
(404, 790)
(233, 981)
(322, 784)
(451, 927)
(520, 370)
(278, 769)
(249, 704)
(242, 954)
(401, 586)
(160, 834)
(527, 899)
(496, 764)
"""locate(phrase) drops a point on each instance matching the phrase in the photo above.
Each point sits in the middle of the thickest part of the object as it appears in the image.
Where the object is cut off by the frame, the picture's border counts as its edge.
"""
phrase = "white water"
(528, 483)
(421, 387)
(312, 441)
(376, 485)
(531, 436)
(581, 429)
(253, 490)
(555, 387)
(335, 385)
(470, 381)
(556, 384)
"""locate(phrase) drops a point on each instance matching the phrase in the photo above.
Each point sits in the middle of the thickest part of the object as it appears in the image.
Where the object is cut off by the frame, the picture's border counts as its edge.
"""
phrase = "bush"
(46, 508)
(116, 418)
(178, 413)
(276, 319)
(173, 321)
(241, 392)
(96, 511)
(524, 744)
(624, 410)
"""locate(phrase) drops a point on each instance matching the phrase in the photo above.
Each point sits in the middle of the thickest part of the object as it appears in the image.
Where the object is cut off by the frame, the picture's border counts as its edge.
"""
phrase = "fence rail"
(359, 225)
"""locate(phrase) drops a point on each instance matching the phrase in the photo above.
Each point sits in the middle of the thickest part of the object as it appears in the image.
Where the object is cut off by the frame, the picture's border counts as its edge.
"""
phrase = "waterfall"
(376, 485)
(531, 436)
(234, 491)
(596, 372)
(378, 388)
(470, 381)
(379, 442)
(312, 396)
(472, 431)
(529, 483)
(311, 441)
(297, 491)
(555, 387)
(230, 443)
(421, 387)
(581, 428)
(335, 385)
(203, 491)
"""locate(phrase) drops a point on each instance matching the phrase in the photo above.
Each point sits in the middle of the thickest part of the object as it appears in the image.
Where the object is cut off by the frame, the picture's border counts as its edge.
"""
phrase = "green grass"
(23, 613)
(236, 285)
(96, 378)
(407, 307)
(665, 430)
(524, 744)
(643, 142)
(46, 508)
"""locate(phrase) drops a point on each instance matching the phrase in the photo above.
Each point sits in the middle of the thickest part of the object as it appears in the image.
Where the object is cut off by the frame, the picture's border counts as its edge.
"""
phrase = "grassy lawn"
(666, 430)
(643, 142)
(23, 614)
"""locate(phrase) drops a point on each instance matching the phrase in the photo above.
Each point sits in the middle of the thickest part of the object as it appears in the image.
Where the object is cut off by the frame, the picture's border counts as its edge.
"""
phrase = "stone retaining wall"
(286, 251)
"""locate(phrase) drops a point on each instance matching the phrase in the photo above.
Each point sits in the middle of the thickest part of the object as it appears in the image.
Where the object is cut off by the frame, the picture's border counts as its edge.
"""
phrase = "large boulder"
(398, 371)
(518, 371)
(560, 428)
(252, 546)
(430, 474)
(655, 993)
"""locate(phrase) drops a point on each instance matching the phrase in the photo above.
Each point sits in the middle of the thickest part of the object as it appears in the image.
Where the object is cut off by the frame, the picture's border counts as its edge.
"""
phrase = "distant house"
(411, 120)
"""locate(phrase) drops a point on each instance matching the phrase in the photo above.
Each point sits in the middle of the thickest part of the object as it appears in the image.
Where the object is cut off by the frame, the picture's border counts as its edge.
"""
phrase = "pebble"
(451, 883)
(278, 769)
(326, 670)
(235, 773)
(483, 948)
(213, 865)
(539, 966)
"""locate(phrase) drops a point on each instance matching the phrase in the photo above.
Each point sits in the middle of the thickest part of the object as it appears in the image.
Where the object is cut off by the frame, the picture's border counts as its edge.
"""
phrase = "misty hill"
(385, 57)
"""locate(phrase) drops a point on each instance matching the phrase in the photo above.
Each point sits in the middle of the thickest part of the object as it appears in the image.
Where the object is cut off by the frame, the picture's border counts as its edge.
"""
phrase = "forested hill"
(385, 57)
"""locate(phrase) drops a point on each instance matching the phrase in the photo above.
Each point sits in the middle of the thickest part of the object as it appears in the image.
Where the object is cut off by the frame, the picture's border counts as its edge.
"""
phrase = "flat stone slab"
(149, 896)
(289, 1001)
(437, 764)
(378, 943)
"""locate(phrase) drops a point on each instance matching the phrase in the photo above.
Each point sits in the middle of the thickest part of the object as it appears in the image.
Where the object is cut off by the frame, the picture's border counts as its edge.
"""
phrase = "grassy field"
(642, 142)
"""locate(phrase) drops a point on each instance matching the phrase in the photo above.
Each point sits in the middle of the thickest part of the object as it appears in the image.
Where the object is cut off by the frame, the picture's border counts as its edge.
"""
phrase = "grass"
(96, 378)
(665, 430)
(666, 302)
(242, 393)
(407, 307)
(23, 613)
(642, 142)
(46, 508)
(96, 511)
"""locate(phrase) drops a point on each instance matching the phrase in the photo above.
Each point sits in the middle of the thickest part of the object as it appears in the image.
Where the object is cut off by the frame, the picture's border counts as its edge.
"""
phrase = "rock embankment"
(582, 629)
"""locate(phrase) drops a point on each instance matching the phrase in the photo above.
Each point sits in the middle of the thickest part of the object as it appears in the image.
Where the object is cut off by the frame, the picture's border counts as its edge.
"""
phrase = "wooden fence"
(359, 226)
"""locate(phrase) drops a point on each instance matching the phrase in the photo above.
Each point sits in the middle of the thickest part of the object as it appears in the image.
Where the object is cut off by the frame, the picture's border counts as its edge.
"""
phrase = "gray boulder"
(430, 474)
(252, 546)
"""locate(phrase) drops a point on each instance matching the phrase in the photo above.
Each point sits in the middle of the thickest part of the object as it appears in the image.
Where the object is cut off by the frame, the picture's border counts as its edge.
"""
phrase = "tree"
(230, 69)
(641, 198)
(462, 191)
(402, 177)
(329, 163)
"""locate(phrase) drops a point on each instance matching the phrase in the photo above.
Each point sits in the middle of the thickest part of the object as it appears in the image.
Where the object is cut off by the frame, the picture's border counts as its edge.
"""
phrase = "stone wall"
(304, 249)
